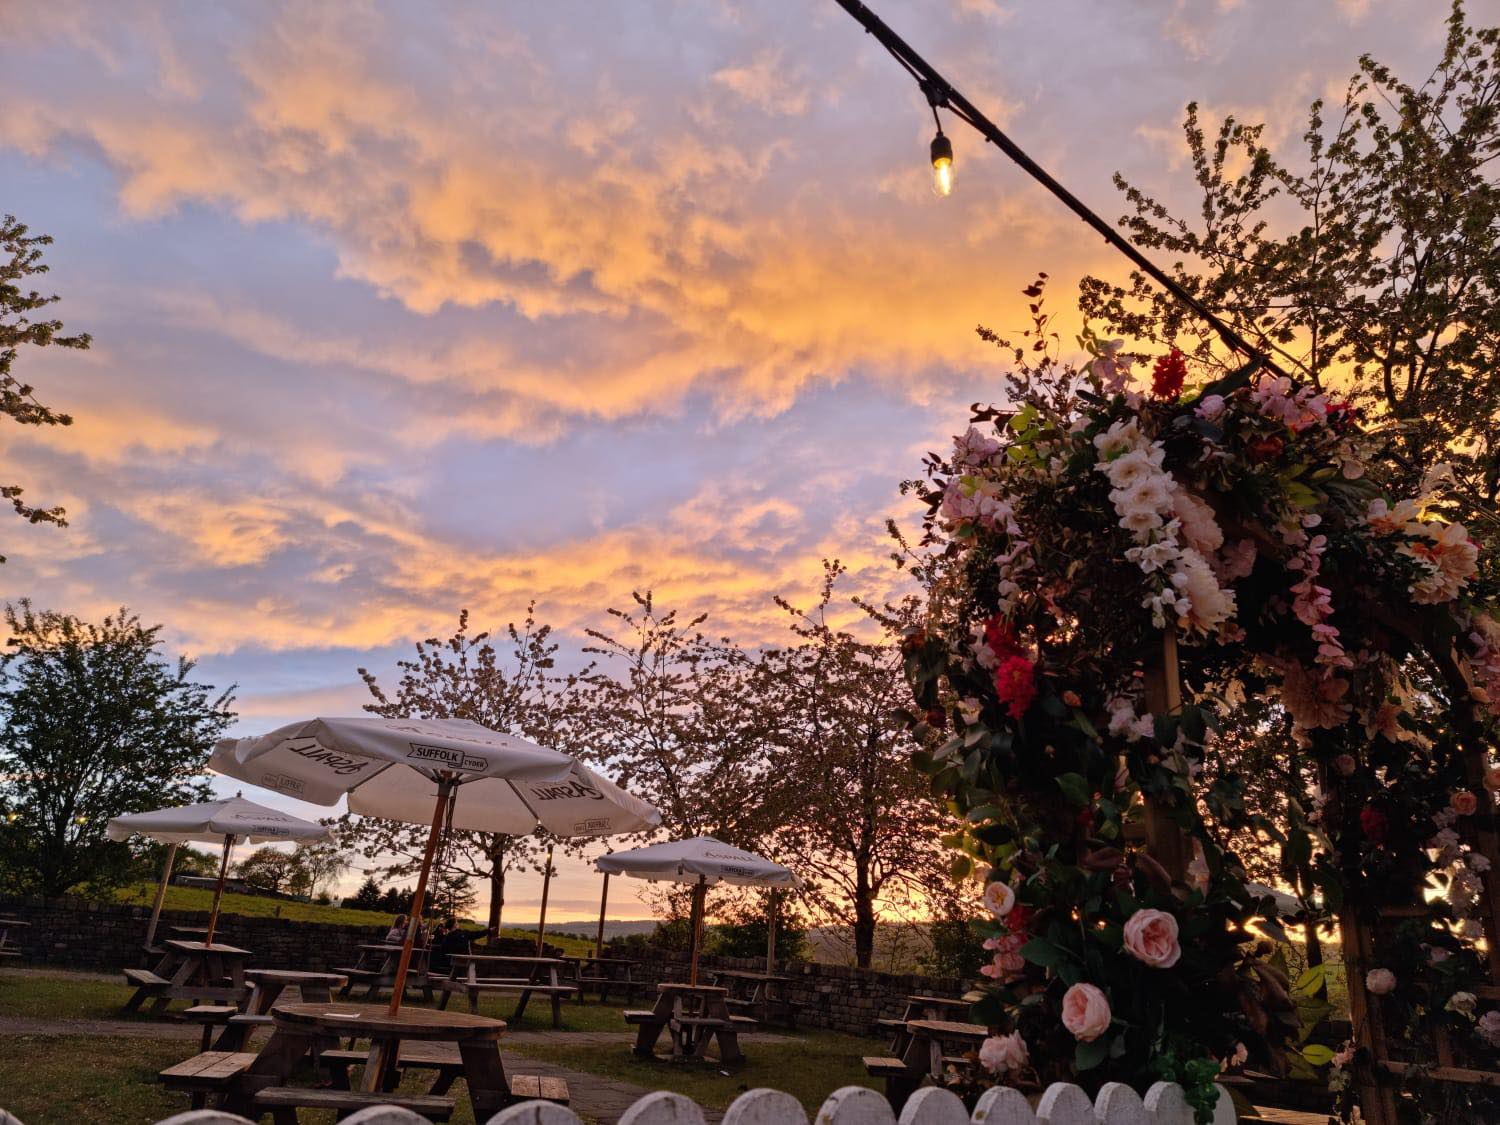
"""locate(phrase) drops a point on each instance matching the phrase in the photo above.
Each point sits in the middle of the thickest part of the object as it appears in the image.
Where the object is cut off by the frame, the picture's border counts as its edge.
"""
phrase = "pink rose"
(1463, 802)
(1378, 982)
(1151, 938)
(1007, 965)
(998, 898)
(1492, 779)
(1085, 1012)
(1001, 1053)
(1345, 764)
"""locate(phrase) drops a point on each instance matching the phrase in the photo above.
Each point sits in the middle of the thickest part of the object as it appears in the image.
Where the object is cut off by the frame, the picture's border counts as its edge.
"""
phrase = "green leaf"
(1086, 1056)
(1316, 1054)
(1075, 789)
(1040, 951)
(1310, 981)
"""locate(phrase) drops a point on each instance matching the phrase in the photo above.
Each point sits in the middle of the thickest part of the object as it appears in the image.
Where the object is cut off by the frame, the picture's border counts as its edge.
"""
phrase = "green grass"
(64, 996)
(86, 1080)
(809, 1067)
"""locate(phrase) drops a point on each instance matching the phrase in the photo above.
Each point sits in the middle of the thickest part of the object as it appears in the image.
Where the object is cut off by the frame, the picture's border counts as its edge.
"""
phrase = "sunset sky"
(404, 308)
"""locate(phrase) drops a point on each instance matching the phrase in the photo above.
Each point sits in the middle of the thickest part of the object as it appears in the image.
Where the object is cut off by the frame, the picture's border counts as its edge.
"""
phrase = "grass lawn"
(68, 1078)
(809, 1067)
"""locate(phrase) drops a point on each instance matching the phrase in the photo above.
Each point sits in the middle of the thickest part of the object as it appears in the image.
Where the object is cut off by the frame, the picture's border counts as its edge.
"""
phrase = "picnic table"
(190, 970)
(604, 973)
(9, 947)
(376, 969)
(302, 1028)
(920, 1007)
(763, 995)
(266, 987)
(694, 1015)
(527, 975)
(924, 1053)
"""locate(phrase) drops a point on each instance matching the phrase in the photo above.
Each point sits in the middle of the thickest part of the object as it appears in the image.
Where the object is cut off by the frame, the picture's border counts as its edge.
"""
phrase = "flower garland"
(1064, 536)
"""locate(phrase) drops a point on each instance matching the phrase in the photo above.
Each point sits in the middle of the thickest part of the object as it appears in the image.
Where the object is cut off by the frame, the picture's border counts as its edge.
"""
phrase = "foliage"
(1238, 516)
(306, 871)
(367, 897)
(17, 330)
(96, 723)
(870, 838)
(743, 929)
(1386, 279)
(464, 677)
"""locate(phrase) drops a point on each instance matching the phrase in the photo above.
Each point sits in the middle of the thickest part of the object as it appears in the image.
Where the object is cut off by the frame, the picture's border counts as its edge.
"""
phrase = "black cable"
(940, 93)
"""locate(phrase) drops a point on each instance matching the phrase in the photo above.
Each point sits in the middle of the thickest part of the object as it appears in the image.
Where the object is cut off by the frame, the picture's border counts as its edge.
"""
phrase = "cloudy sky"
(401, 308)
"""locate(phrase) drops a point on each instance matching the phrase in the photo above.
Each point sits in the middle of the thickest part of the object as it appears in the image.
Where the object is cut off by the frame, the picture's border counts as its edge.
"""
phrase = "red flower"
(1263, 449)
(1375, 824)
(1015, 684)
(937, 718)
(1018, 918)
(1000, 635)
(1168, 375)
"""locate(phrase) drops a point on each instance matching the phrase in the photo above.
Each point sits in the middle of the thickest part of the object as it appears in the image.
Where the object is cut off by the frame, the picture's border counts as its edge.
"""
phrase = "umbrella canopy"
(444, 770)
(212, 821)
(320, 760)
(228, 822)
(701, 859)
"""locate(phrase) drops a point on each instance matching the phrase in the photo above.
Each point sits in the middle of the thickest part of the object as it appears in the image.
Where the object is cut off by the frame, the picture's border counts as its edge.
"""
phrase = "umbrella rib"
(536, 816)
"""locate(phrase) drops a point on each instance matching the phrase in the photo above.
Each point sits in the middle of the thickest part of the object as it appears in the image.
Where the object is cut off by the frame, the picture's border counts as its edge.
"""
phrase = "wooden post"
(699, 893)
(161, 895)
(1165, 841)
(771, 932)
(398, 986)
(603, 901)
(541, 924)
(213, 915)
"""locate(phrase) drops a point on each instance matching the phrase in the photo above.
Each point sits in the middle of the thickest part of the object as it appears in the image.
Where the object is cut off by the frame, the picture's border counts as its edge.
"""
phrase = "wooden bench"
(639, 1016)
(900, 1080)
(284, 1101)
(415, 1055)
(539, 1087)
(145, 978)
(211, 1072)
(210, 1016)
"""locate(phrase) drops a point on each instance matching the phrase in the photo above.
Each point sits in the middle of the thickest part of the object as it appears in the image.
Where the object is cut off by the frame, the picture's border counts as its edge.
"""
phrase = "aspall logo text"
(336, 763)
(565, 791)
(282, 783)
(449, 756)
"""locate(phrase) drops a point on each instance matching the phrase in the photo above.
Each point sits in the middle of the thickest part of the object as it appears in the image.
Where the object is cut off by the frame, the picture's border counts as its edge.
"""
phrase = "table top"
(949, 1028)
(375, 1020)
(745, 974)
(198, 947)
(515, 959)
(295, 976)
(7, 922)
(674, 986)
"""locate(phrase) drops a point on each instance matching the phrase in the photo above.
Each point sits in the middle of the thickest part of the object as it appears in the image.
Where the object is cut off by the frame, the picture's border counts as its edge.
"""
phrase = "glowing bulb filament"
(942, 165)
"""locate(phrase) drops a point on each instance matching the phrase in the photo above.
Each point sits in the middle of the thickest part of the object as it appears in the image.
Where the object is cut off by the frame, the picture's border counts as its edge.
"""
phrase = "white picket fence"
(1062, 1104)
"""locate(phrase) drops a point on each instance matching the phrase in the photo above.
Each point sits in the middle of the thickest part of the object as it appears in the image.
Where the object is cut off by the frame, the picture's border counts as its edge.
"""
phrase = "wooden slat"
(1444, 1073)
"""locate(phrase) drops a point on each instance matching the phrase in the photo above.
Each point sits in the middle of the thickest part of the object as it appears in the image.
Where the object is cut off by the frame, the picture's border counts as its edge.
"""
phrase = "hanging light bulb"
(942, 165)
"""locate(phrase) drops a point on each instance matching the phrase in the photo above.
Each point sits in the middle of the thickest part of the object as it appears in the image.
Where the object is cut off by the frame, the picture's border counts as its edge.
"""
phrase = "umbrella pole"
(603, 902)
(213, 915)
(771, 935)
(398, 986)
(541, 925)
(161, 895)
(699, 893)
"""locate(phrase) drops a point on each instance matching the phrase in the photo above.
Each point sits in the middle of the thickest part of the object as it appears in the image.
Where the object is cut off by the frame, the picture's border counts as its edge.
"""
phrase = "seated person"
(396, 935)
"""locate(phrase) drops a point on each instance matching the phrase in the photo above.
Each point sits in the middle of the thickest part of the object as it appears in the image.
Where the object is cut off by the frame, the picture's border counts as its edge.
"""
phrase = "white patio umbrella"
(703, 862)
(440, 770)
(230, 821)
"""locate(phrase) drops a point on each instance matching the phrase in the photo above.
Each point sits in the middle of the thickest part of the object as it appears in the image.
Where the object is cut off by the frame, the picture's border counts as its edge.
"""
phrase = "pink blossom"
(1007, 964)
(1489, 1027)
(1001, 1053)
(1151, 938)
(1210, 407)
(1379, 982)
(1463, 802)
(1085, 1012)
(1345, 764)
